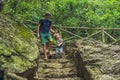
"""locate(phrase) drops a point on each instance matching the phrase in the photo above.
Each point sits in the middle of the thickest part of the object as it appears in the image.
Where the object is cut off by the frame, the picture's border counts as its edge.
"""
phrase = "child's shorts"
(59, 50)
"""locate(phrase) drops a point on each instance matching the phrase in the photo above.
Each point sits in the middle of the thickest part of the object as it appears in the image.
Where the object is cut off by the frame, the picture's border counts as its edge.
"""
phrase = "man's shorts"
(45, 37)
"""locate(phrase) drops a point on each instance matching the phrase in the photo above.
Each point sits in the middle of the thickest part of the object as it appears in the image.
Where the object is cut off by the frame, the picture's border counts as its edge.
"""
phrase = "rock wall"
(102, 61)
(18, 48)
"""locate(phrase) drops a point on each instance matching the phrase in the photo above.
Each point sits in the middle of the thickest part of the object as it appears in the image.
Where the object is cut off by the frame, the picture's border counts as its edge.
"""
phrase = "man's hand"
(38, 36)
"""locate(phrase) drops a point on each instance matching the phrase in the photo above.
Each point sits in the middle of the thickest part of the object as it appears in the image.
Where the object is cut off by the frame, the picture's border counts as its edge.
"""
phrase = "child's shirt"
(59, 42)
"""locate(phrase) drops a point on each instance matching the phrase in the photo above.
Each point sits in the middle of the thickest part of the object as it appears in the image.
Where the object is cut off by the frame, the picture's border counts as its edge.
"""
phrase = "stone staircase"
(57, 69)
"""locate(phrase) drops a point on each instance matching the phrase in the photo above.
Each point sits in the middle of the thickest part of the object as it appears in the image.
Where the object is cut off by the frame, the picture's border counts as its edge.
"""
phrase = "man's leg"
(50, 48)
(44, 50)
(50, 44)
(43, 40)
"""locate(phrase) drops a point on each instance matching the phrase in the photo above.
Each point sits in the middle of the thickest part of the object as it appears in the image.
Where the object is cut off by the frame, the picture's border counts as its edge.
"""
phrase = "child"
(59, 43)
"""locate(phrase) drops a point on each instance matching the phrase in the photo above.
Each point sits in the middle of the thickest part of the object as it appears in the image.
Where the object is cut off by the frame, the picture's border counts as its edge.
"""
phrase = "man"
(43, 31)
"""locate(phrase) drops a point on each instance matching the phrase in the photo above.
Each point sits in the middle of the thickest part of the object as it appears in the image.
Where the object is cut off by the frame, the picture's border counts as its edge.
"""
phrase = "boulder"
(18, 48)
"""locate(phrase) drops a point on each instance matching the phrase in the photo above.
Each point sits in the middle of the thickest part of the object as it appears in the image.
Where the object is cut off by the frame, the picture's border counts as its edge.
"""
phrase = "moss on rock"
(18, 47)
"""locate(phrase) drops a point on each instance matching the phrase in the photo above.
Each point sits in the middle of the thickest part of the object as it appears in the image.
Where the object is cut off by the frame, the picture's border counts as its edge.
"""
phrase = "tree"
(1, 5)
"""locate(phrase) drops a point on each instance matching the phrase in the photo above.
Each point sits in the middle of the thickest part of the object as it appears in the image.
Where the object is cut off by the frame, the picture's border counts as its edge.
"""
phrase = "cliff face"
(102, 61)
(18, 47)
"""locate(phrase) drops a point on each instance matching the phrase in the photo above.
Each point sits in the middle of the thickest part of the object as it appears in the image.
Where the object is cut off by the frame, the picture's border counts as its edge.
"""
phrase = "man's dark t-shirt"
(45, 25)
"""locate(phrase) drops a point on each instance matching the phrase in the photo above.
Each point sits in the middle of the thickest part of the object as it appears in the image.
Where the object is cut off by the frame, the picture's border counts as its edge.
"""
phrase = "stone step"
(57, 75)
(56, 69)
(63, 70)
(62, 60)
(75, 78)
(53, 56)
(56, 65)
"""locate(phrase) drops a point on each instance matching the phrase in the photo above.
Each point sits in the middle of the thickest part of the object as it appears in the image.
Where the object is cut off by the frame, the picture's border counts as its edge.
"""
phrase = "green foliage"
(77, 13)
(90, 13)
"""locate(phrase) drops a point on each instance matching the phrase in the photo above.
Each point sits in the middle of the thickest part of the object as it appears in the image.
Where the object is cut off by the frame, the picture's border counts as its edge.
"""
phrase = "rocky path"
(57, 69)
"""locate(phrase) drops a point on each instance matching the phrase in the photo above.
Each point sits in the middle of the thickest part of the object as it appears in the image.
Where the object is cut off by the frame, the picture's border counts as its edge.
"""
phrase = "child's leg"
(57, 52)
(60, 52)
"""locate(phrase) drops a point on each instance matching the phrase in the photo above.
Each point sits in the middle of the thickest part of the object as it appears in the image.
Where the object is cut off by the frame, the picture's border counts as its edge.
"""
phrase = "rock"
(104, 77)
(18, 48)
(76, 78)
(115, 48)
(101, 60)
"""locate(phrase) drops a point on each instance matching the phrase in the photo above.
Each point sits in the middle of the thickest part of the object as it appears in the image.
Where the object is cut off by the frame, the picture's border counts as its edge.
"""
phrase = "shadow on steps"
(81, 69)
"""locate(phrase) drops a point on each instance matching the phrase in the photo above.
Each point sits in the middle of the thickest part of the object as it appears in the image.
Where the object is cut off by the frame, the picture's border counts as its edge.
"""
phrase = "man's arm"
(38, 31)
(51, 30)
